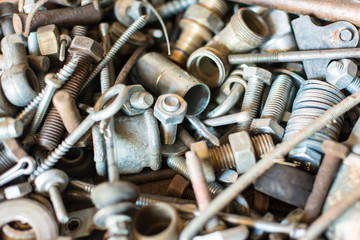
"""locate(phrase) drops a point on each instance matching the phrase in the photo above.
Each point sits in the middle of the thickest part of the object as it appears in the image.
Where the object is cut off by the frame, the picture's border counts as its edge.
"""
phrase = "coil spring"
(53, 127)
(312, 100)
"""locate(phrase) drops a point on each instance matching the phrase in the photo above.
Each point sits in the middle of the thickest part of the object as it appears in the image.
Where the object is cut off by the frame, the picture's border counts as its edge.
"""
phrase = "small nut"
(269, 126)
(243, 151)
(88, 46)
(170, 109)
(48, 39)
(258, 73)
(341, 73)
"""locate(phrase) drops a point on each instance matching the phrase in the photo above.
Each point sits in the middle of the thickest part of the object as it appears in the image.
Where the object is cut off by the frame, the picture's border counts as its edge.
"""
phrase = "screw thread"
(53, 126)
(6, 162)
(335, 68)
(222, 157)
(147, 199)
(105, 79)
(354, 86)
(33, 45)
(215, 188)
(218, 6)
(263, 144)
(178, 164)
(174, 7)
(31, 106)
(278, 96)
(138, 24)
(78, 30)
(252, 97)
(86, 187)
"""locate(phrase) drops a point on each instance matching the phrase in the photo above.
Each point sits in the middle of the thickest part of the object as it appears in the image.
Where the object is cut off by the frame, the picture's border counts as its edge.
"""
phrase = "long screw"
(267, 162)
(295, 56)
(138, 24)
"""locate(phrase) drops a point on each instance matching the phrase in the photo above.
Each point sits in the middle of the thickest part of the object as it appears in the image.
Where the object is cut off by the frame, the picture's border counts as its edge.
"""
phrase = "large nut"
(48, 39)
(341, 73)
(205, 17)
(269, 126)
(243, 151)
(258, 73)
(87, 46)
(170, 109)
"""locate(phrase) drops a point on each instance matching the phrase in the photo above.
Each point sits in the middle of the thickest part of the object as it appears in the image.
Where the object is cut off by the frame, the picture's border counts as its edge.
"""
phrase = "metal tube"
(294, 56)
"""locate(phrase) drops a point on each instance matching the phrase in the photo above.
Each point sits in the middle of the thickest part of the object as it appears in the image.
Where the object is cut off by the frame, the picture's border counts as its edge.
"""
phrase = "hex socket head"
(170, 109)
(257, 73)
(341, 73)
(88, 46)
(243, 151)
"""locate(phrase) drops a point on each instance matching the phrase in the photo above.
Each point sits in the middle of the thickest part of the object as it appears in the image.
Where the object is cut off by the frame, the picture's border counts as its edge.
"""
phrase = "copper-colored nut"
(177, 186)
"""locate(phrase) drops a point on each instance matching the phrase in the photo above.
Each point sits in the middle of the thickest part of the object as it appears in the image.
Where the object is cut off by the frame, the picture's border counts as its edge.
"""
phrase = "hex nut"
(341, 73)
(307, 156)
(87, 46)
(48, 39)
(269, 126)
(18, 190)
(170, 117)
(258, 73)
(204, 17)
(243, 151)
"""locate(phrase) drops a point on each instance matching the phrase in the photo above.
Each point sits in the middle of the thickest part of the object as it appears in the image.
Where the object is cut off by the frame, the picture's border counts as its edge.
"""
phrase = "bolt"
(61, 17)
(65, 40)
(241, 117)
(294, 56)
(343, 74)
(10, 128)
(147, 199)
(274, 109)
(53, 182)
(334, 153)
(141, 100)
(203, 130)
(170, 110)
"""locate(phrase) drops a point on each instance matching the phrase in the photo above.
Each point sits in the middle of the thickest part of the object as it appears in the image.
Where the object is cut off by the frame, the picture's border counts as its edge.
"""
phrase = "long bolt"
(334, 153)
(267, 162)
(295, 56)
(138, 24)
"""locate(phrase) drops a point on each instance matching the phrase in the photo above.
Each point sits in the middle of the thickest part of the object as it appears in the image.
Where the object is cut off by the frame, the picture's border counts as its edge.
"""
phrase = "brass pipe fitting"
(245, 31)
(198, 25)
(161, 76)
(156, 221)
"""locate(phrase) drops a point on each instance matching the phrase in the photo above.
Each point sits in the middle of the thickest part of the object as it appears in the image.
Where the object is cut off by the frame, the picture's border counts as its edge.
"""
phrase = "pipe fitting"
(19, 82)
(199, 23)
(156, 221)
(162, 76)
(246, 30)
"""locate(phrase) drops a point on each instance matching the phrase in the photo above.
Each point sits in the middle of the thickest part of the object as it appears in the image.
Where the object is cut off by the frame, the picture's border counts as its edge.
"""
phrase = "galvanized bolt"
(343, 74)
(170, 110)
(53, 182)
(274, 108)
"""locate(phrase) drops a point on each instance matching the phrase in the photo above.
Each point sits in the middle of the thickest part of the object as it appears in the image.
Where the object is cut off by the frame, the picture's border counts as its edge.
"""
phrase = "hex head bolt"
(87, 50)
(274, 109)
(343, 74)
(199, 23)
(334, 153)
(170, 110)
(61, 17)
(116, 204)
(53, 182)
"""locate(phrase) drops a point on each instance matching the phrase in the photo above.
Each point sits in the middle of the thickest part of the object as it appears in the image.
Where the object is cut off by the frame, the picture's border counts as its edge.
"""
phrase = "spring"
(53, 127)
(312, 100)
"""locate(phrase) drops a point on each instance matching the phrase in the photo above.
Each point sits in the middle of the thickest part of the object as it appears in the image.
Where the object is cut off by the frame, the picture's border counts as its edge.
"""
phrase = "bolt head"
(269, 126)
(49, 178)
(257, 73)
(341, 73)
(170, 109)
(243, 151)
(306, 155)
(53, 81)
(88, 46)
(48, 39)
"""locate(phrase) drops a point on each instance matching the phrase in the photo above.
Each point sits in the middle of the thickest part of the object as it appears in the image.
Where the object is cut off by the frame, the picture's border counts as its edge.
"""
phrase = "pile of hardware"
(180, 119)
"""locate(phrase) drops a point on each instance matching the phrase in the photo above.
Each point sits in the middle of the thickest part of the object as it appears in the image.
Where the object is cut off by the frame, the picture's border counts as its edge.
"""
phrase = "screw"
(138, 24)
(53, 182)
(170, 110)
(65, 40)
(334, 153)
(274, 108)
(343, 74)
(147, 199)
(203, 130)
(294, 56)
